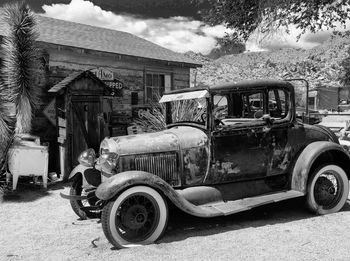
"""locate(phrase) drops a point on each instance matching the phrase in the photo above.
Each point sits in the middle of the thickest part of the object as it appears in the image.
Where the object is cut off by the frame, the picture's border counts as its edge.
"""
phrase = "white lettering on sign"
(103, 74)
(108, 78)
(115, 85)
(50, 112)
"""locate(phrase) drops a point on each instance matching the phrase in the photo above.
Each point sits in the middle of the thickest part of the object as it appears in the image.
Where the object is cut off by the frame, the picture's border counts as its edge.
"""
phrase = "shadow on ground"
(28, 192)
(182, 225)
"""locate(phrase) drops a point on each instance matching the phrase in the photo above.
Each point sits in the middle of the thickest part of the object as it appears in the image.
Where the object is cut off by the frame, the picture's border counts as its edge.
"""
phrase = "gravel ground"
(39, 225)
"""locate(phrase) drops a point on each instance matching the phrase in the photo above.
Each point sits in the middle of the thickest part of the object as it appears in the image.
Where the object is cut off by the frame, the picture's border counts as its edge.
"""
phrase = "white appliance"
(27, 157)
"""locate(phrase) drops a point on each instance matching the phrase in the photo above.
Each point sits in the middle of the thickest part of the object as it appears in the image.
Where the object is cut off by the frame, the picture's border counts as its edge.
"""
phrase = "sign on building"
(103, 74)
(108, 77)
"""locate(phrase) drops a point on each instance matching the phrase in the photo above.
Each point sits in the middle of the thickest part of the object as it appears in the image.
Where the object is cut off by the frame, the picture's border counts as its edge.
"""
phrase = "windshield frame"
(168, 114)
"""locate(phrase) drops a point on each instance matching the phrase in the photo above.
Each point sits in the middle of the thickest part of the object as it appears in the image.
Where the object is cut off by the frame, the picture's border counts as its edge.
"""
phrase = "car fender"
(84, 171)
(116, 184)
(79, 169)
(305, 160)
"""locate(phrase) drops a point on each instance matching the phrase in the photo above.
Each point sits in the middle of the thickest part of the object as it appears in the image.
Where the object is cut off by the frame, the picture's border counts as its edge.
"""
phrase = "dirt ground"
(37, 224)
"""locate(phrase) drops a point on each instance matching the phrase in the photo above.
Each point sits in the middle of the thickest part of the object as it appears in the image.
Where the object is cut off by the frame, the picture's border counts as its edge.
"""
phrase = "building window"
(156, 85)
(312, 101)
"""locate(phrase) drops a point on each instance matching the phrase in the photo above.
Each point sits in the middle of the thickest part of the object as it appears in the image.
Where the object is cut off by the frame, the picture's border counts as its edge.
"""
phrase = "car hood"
(176, 138)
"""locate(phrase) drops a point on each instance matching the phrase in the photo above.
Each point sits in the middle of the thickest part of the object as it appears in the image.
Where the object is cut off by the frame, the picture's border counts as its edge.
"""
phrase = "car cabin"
(246, 103)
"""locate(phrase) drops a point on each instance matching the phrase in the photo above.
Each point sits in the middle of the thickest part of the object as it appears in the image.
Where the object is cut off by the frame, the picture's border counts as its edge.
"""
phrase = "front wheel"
(78, 206)
(327, 190)
(137, 217)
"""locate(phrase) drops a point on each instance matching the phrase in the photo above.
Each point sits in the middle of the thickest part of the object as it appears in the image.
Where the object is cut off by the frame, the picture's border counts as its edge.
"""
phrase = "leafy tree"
(19, 63)
(247, 16)
(345, 77)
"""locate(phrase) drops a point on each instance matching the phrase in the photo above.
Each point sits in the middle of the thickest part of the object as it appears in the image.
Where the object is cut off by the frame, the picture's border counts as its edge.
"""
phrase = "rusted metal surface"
(242, 159)
(195, 164)
(163, 141)
(179, 155)
(181, 137)
(189, 137)
(164, 165)
(238, 154)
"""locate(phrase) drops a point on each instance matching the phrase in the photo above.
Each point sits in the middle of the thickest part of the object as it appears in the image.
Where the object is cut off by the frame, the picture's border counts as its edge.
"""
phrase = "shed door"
(85, 127)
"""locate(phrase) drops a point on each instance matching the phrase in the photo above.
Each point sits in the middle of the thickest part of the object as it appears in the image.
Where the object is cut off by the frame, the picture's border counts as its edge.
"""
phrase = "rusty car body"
(234, 158)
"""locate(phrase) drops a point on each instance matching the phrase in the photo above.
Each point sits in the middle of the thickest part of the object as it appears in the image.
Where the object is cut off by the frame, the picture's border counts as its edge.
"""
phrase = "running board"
(235, 206)
(73, 197)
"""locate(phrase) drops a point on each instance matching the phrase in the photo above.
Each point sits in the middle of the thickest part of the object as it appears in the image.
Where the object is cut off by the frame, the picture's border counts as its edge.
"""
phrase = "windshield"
(187, 107)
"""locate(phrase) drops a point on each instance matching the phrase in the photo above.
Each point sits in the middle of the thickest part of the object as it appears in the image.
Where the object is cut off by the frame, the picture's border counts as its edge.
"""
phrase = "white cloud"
(281, 39)
(177, 33)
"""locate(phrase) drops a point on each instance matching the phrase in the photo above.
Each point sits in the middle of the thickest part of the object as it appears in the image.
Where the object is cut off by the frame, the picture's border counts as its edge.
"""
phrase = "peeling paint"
(195, 165)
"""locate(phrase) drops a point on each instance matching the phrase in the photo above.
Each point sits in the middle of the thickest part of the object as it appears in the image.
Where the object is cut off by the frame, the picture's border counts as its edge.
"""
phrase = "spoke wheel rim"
(89, 202)
(328, 189)
(137, 217)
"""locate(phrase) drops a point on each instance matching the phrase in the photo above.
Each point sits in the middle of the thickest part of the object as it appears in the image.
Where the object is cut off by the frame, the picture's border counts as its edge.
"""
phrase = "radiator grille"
(163, 165)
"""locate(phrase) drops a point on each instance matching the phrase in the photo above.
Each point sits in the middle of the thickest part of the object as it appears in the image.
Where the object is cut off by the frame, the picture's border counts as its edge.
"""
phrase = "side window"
(248, 107)
(220, 107)
(278, 104)
(253, 105)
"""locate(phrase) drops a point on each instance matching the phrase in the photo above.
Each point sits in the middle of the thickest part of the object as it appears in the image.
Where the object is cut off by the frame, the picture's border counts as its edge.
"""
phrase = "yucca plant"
(4, 120)
(20, 60)
(153, 119)
(17, 88)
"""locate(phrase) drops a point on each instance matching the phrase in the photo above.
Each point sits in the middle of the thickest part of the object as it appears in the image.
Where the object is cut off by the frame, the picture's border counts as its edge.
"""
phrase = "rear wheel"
(137, 217)
(328, 190)
(78, 205)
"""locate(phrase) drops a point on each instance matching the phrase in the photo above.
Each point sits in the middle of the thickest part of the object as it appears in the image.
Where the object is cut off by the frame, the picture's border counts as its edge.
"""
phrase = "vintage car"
(230, 159)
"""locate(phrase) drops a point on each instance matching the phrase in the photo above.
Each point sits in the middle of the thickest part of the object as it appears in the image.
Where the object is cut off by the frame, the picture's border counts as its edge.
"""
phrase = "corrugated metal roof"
(101, 39)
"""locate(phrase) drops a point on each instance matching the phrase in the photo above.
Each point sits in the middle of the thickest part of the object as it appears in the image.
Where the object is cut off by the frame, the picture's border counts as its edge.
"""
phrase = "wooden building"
(136, 70)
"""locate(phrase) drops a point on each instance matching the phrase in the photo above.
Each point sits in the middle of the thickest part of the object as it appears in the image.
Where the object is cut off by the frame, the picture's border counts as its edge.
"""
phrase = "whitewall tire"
(327, 190)
(138, 216)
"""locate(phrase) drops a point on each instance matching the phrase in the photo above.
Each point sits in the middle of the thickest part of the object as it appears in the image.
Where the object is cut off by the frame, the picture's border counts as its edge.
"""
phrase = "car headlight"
(104, 147)
(108, 162)
(104, 151)
(87, 158)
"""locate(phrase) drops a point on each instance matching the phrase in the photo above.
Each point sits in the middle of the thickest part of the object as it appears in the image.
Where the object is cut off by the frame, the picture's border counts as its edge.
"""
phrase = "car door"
(279, 150)
(239, 141)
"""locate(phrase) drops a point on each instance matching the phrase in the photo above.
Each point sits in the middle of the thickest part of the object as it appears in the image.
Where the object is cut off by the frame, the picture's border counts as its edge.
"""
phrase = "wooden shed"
(82, 114)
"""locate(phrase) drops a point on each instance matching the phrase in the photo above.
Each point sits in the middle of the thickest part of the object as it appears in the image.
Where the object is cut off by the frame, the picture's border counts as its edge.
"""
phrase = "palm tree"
(20, 60)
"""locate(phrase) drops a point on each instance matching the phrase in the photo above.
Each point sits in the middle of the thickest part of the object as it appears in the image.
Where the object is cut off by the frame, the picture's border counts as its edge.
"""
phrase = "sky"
(178, 33)
(177, 27)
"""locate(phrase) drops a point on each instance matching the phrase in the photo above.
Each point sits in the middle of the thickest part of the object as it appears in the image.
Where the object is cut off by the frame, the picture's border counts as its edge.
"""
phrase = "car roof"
(239, 86)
